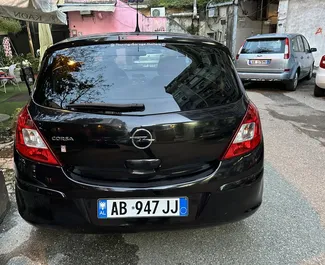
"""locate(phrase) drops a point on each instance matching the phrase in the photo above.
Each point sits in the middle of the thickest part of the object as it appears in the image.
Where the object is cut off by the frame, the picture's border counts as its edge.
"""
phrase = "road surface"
(289, 228)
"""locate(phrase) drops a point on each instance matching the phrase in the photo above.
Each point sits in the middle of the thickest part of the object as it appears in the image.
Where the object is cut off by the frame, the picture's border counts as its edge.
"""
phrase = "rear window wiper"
(106, 107)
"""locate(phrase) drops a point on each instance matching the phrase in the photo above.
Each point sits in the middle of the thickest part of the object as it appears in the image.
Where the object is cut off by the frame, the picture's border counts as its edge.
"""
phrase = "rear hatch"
(262, 56)
(110, 116)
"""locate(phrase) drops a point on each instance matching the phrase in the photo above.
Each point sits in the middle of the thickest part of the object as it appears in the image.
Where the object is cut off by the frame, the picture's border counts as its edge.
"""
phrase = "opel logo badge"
(142, 139)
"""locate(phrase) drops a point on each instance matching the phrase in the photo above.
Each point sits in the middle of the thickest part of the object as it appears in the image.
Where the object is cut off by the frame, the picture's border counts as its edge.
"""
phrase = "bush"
(34, 62)
(14, 118)
(9, 25)
(18, 59)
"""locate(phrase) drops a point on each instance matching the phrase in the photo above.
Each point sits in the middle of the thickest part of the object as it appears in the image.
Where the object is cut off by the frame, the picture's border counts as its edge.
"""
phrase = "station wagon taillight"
(322, 62)
(248, 135)
(239, 52)
(287, 49)
(29, 141)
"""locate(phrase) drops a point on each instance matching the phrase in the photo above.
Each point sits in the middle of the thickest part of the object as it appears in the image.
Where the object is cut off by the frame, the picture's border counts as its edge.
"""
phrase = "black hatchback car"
(129, 132)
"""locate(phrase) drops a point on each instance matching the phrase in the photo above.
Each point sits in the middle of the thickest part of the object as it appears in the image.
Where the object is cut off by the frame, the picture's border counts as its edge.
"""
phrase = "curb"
(4, 198)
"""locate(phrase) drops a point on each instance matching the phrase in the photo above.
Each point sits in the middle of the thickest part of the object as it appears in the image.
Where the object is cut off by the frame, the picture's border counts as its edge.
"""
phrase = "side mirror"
(313, 50)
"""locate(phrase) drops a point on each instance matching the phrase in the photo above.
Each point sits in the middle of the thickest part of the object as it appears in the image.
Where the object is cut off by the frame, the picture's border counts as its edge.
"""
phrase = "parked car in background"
(98, 148)
(285, 58)
(319, 90)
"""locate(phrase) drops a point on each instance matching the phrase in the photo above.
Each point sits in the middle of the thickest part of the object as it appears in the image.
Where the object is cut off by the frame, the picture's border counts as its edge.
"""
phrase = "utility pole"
(195, 20)
(194, 8)
(30, 40)
(234, 29)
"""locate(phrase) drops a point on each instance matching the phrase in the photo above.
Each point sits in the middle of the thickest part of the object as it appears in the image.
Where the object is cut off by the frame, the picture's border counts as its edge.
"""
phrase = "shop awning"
(40, 11)
(87, 7)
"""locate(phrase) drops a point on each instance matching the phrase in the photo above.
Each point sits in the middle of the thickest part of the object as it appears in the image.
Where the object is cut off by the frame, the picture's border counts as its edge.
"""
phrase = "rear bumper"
(320, 78)
(260, 77)
(233, 193)
(208, 209)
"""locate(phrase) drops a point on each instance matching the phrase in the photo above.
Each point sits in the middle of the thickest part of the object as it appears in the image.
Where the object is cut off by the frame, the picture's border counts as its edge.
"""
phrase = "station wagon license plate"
(259, 62)
(155, 207)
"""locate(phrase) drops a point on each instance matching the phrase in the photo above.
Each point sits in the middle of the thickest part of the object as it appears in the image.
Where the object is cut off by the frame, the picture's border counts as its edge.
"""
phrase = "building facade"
(94, 17)
(216, 20)
(306, 18)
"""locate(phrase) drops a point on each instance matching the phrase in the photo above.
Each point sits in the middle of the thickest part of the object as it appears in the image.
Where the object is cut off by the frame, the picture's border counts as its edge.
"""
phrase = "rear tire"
(310, 74)
(292, 84)
(318, 92)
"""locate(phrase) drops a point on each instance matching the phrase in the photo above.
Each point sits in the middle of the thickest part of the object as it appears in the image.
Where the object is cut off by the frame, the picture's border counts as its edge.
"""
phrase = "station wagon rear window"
(264, 46)
(162, 77)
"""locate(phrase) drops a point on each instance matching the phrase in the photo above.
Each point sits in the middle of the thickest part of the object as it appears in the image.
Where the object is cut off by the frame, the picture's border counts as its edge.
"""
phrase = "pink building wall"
(122, 20)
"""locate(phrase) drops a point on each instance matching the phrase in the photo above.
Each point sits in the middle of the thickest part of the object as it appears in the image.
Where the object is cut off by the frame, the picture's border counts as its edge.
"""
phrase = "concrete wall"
(306, 18)
(174, 26)
(248, 27)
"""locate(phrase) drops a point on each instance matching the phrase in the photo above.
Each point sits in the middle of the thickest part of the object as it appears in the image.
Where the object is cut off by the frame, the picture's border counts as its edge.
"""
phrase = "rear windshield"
(163, 77)
(264, 46)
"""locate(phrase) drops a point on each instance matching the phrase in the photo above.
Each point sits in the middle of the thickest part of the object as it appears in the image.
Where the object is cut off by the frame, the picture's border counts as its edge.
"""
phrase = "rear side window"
(163, 77)
(264, 46)
(297, 44)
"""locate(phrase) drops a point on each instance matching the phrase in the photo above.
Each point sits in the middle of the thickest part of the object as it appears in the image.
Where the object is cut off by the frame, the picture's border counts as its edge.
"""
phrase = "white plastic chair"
(4, 79)
(14, 80)
(3, 83)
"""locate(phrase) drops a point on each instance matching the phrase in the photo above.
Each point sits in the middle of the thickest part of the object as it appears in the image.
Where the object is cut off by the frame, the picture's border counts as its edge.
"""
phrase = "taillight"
(287, 49)
(29, 141)
(248, 135)
(322, 62)
(239, 52)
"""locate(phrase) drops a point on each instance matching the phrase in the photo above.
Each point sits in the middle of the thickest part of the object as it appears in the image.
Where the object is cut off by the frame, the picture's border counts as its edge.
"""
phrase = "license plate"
(156, 207)
(259, 62)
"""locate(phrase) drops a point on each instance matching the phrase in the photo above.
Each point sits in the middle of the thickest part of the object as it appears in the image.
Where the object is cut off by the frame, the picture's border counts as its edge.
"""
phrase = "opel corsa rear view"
(131, 132)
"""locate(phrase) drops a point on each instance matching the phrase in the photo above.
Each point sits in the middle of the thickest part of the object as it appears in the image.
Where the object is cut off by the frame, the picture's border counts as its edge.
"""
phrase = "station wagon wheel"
(292, 85)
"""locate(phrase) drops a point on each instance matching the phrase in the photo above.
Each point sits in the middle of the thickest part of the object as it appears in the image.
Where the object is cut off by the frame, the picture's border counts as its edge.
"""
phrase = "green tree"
(9, 25)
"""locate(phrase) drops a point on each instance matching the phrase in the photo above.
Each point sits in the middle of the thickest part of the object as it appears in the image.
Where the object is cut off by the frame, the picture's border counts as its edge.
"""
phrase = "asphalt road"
(288, 229)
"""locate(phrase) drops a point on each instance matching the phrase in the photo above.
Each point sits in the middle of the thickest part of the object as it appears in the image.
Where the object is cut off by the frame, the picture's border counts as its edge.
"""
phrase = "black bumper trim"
(23, 185)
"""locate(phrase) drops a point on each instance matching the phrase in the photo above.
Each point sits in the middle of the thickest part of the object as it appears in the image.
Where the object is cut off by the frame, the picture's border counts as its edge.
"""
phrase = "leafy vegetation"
(14, 117)
(10, 108)
(182, 3)
(9, 25)
(17, 59)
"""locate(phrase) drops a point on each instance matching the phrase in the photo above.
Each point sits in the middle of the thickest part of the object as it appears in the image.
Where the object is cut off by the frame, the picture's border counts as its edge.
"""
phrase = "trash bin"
(4, 198)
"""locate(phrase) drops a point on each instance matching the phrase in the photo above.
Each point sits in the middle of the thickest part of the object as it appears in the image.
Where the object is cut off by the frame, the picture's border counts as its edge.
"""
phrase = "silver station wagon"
(285, 58)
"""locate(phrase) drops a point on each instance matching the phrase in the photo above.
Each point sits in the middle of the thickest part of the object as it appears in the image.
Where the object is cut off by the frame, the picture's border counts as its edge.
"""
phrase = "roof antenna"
(137, 29)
